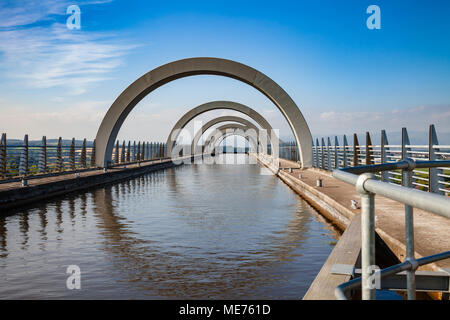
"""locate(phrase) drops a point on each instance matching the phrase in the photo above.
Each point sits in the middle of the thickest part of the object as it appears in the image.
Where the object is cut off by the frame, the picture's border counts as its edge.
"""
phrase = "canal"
(223, 231)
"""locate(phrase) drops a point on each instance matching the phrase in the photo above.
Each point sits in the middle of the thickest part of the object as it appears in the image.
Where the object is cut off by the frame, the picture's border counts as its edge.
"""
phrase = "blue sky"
(344, 77)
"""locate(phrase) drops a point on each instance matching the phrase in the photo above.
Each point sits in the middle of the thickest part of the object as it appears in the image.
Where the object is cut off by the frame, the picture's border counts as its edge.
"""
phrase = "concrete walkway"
(40, 188)
(432, 232)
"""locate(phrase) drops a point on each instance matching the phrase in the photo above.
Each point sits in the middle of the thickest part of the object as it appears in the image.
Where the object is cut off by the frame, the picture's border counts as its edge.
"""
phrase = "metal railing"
(31, 158)
(368, 186)
(288, 151)
(330, 156)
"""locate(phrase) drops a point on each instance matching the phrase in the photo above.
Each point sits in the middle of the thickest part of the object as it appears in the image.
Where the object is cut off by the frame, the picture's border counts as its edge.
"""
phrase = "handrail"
(427, 201)
(368, 186)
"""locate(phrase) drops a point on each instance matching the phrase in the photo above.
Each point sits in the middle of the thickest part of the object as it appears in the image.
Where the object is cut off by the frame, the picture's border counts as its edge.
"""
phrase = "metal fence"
(29, 158)
(368, 186)
(329, 156)
(288, 151)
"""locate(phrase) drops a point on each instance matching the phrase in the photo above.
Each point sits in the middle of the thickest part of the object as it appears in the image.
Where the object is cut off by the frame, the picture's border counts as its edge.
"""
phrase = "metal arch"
(215, 105)
(127, 100)
(217, 120)
(213, 138)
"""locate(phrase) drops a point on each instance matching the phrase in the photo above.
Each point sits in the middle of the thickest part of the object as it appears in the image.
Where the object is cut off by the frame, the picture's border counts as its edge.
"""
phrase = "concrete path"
(432, 232)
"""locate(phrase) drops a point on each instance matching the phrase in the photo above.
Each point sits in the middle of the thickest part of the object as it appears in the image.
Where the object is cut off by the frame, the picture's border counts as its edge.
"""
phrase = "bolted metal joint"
(411, 164)
(413, 262)
(361, 180)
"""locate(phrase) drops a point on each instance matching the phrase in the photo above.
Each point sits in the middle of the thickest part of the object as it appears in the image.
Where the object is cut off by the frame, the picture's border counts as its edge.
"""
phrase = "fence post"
(138, 153)
(116, 154)
(93, 160)
(72, 155)
(367, 236)
(368, 149)
(83, 154)
(355, 150)
(336, 155)
(433, 173)
(122, 152)
(405, 142)
(134, 151)
(144, 145)
(345, 145)
(407, 181)
(59, 159)
(3, 160)
(322, 147)
(329, 154)
(313, 154)
(23, 162)
(129, 151)
(383, 155)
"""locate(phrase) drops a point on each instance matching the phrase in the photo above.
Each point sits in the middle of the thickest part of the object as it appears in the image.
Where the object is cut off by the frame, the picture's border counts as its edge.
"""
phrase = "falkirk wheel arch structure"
(130, 97)
(230, 129)
(209, 124)
(210, 106)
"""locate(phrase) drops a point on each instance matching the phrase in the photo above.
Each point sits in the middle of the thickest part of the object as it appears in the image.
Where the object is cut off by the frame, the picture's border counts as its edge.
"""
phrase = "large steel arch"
(127, 100)
(221, 133)
(214, 105)
(215, 121)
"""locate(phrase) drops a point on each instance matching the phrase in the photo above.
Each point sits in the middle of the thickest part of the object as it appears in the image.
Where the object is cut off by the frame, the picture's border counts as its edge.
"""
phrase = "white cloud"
(51, 55)
(415, 118)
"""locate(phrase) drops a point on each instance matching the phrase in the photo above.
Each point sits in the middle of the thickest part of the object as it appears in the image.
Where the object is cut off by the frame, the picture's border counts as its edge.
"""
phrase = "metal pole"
(367, 236)
(409, 233)
(409, 217)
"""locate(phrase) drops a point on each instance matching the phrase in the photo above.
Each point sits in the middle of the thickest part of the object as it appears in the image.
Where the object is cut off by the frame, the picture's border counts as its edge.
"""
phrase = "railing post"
(383, 155)
(23, 162)
(133, 156)
(144, 149)
(329, 167)
(345, 145)
(367, 236)
(409, 218)
(336, 158)
(116, 153)
(317, 153)
(368, 149)
(355, 150)
(129, 151)
(83, 154)
(433, 173)
(59, 159)
(122, 152)
(313, 153)
(72, 155)
(323, 154)
(3, 159)
(93, 161)
(138, 155)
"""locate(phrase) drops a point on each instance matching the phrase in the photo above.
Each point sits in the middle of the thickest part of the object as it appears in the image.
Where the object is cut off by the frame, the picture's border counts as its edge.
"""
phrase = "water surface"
(195, 231)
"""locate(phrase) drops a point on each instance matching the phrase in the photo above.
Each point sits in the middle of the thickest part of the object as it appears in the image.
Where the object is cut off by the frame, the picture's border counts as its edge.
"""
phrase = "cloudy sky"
(345, 78)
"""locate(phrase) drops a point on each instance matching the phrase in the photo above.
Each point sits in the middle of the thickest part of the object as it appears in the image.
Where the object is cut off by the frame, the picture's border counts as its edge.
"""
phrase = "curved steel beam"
(127, 100)
(217, 120)
(222, 132)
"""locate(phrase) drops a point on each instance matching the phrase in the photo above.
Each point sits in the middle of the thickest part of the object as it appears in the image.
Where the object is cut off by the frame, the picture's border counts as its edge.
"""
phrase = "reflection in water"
(195, 231)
